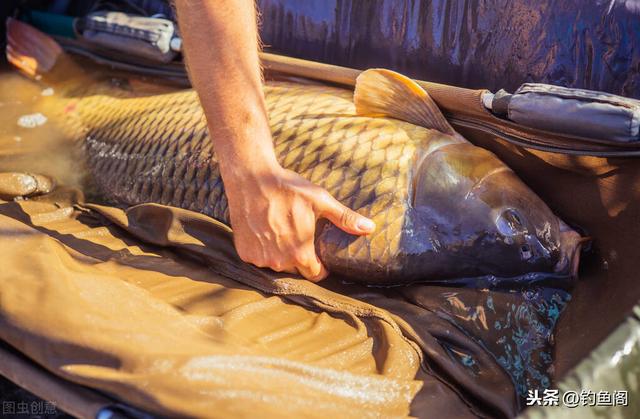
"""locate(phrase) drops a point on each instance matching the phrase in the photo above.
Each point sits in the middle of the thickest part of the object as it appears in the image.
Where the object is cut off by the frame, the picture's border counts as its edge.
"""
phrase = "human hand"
(273, 216)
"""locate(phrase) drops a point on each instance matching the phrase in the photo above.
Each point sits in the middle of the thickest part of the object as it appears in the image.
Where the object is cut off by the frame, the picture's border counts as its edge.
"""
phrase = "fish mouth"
(571, 243)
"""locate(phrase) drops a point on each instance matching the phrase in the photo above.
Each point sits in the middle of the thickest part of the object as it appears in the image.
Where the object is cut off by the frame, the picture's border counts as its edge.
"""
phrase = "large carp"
(443, 207)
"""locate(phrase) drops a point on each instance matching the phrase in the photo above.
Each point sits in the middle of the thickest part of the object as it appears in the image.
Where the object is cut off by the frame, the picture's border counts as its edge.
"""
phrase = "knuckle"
(322, 193)
(322, 274)
(276, 265)
(244, 255)
(252, 258)
(271, 262)
(323, 198)
(301, 258)
(260, 263)
(347, 217)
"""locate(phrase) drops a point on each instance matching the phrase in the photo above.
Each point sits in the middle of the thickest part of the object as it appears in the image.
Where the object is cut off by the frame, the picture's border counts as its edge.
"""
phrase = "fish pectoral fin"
(381, 92)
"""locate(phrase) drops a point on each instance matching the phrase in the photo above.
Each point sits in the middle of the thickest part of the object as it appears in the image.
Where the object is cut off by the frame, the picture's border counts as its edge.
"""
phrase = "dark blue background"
(493, 44)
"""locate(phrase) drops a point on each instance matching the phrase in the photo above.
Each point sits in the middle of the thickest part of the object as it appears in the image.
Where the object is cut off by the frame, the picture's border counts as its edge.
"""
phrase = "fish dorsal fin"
(381, 92)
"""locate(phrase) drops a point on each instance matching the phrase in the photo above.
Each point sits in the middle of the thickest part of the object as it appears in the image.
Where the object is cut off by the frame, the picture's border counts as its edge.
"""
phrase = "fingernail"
(365, 224)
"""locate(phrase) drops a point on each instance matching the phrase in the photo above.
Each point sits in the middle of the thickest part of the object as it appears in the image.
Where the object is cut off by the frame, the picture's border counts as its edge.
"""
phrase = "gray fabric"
(583, 113)
(144, 37)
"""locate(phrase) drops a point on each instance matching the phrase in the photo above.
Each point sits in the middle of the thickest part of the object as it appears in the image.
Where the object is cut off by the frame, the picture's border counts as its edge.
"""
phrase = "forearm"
(221, 49)
(273, 211)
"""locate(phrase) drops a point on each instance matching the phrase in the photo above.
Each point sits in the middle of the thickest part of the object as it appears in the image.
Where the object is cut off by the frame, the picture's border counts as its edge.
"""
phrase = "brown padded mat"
(143, 305)
(173, 336)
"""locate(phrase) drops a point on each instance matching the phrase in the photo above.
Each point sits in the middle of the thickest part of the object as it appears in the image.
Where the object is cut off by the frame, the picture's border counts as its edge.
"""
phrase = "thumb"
(344, 218)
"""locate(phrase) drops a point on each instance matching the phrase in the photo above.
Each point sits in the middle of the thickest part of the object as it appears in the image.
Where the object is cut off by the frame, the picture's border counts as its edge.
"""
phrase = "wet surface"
(516, 326)
(492, 44)
(29, 142)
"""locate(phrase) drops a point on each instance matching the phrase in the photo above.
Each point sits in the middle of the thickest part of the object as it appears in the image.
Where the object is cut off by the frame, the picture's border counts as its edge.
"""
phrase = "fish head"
(488, 221)
(521, 228)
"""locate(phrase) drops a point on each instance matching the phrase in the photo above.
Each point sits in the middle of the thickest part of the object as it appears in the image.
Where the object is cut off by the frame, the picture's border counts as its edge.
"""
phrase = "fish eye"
(509, 223)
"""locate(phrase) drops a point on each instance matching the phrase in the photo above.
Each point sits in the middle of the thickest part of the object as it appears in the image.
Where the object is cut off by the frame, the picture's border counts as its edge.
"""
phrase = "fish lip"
(571, 243)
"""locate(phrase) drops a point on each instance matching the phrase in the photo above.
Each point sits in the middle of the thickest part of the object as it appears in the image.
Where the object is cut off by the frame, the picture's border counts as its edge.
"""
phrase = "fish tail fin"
(36, 54)
(381, 92)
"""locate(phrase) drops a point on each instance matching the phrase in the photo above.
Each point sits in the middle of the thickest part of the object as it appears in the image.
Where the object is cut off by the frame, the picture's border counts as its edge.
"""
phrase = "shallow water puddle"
(29, 142)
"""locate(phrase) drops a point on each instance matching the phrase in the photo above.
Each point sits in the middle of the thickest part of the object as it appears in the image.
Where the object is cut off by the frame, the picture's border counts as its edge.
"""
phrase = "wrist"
(242, 165)
(251, 181)
(240, 168)
(244, 148)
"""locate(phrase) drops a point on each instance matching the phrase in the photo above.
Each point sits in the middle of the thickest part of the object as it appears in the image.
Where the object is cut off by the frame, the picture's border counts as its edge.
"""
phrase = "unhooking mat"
(152, 306)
